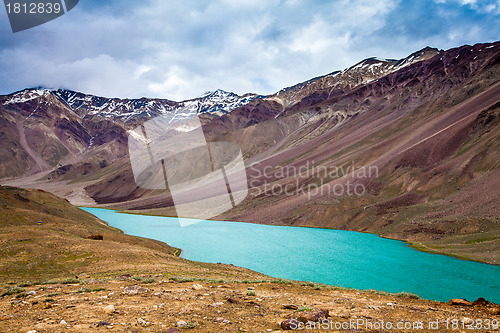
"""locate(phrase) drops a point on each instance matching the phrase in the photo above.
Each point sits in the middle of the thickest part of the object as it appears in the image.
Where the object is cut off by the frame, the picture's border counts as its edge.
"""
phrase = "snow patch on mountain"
(361, 73)
(25, 96)
(124, 109)
(219, 102)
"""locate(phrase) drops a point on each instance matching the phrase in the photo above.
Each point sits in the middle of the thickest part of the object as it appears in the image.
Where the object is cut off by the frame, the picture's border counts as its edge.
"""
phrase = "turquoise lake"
(335, 257)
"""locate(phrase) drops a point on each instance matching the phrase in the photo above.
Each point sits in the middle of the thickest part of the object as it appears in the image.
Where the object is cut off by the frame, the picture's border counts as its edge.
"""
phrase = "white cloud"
(483, 6)
(180, 49)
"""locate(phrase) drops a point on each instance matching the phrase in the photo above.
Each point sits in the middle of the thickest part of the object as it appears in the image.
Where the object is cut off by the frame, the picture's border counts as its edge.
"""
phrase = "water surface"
(335, 257)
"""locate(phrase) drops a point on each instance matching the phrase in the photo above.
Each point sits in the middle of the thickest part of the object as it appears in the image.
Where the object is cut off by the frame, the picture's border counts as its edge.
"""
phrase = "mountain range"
(428, 124)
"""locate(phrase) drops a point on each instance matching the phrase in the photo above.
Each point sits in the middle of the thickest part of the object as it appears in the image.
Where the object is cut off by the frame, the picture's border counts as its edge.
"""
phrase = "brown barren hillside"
(45, 237)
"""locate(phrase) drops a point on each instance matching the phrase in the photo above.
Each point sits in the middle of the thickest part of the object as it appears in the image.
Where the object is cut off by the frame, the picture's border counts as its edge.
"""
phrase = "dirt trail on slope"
(40, 165)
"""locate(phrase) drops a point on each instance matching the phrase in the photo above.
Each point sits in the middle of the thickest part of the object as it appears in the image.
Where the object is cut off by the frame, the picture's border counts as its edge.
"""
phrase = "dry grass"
(60, 246)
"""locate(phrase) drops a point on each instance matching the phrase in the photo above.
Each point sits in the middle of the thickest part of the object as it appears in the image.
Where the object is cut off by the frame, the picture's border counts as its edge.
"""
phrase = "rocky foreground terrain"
(64, 270)
(157, 303)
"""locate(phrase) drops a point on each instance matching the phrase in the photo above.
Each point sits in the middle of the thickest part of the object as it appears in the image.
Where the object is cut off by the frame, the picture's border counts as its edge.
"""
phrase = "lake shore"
(434, 247)
(460, 246)
(336, 250)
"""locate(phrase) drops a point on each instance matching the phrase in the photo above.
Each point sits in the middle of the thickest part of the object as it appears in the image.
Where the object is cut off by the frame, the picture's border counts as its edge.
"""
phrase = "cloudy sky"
(179, 49)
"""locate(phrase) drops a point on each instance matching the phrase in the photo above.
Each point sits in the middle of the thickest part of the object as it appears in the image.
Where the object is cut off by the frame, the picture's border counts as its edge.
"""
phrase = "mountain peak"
(429, 48)
(370, 62)
(219, 101)
(423, 54)
(218, 92)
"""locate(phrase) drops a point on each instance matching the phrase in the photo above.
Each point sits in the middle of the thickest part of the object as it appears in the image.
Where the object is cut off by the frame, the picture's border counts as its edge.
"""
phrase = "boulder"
(460, 301)
(142, 322)
(481, 301)
(172, 330)
(289, 324)
(314, 316)
(232, 300)
(102, 323)
(96, 237)
(109, 309)
(134, 290)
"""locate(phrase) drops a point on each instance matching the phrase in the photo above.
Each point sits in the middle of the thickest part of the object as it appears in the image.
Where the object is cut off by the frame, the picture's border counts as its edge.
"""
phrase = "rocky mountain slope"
(338, 82)
(43, 129)
(427, 124)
